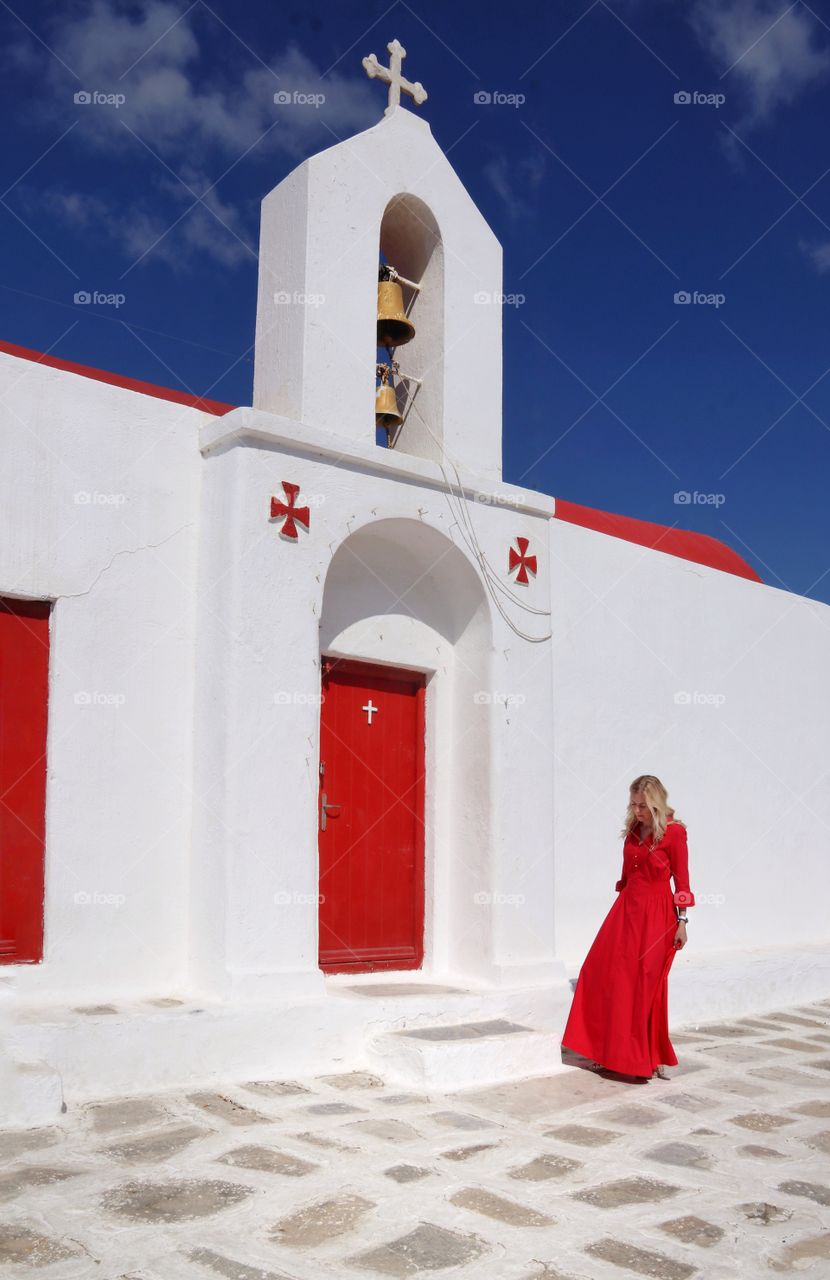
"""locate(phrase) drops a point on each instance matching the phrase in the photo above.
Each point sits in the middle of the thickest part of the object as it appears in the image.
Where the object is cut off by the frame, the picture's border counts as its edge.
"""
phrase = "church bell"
(394, 326)
(387, 414)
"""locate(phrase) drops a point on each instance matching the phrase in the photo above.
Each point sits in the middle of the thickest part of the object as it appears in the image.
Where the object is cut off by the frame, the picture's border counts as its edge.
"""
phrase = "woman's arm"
(679, 859)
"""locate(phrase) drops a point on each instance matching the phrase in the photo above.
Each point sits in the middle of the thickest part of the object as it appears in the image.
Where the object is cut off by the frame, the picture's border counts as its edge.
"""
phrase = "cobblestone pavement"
(723, 1170)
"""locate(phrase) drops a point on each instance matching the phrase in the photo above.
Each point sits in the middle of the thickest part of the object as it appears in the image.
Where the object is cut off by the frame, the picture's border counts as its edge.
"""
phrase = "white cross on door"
(370, 710)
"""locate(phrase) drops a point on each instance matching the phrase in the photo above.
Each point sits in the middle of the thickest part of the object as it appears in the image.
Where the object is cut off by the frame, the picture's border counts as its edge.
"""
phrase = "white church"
(316, 735)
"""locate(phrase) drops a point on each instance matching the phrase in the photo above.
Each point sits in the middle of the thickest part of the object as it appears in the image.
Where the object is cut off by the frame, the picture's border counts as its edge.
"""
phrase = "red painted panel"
(24, 683)
(684, 543)
(372, 848)
(118, 380)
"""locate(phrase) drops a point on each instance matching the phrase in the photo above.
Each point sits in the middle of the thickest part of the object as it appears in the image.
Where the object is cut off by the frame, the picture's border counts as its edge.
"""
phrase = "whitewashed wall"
(98, 511)
(744, 751)
(268, 608)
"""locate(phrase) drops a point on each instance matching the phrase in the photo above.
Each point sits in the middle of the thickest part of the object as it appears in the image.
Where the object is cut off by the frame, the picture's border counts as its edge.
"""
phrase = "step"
(463, 1054)
(31, 1095)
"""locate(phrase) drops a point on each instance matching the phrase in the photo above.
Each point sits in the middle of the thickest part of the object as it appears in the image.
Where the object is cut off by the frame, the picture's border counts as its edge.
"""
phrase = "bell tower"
(382, 223)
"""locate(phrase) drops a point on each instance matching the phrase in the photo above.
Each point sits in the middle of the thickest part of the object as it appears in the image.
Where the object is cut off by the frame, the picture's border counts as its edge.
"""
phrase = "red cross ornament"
(523, 561)
(292, 513)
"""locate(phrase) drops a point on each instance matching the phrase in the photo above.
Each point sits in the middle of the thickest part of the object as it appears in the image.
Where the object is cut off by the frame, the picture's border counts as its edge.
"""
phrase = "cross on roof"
(392, 76)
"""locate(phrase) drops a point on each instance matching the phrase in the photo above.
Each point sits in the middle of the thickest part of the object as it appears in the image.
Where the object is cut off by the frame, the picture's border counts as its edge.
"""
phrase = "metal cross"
(371, 709)
(392, 76)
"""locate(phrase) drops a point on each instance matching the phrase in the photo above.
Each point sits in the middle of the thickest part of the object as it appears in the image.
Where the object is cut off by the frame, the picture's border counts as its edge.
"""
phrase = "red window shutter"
(24, 685)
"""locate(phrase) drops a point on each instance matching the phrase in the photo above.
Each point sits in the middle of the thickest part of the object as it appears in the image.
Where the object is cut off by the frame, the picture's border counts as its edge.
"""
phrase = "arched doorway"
(405, 642)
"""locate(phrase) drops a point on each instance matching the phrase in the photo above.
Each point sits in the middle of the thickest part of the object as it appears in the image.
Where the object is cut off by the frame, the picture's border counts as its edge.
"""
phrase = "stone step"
(463, 1054)
(32, 1094)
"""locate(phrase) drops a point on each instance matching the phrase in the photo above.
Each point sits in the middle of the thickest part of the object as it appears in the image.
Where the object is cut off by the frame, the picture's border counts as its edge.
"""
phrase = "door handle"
(325, 809)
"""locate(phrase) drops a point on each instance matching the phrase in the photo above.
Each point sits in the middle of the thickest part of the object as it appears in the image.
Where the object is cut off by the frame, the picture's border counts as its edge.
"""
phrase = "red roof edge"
(698, 547)
(117, 380)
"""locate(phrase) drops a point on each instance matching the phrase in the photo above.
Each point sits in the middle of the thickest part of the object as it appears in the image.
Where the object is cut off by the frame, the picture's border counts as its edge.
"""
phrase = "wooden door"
(371, 818)
(24, 683)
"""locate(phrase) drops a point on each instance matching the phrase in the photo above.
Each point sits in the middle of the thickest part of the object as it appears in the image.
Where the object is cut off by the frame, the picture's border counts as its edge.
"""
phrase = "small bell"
(394, 326)
(387, 414)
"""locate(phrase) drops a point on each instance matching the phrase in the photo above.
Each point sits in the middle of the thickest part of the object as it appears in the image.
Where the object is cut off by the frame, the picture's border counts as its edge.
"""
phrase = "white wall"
(256, 761)
(319, 243)
(98, 512)
(746, 760)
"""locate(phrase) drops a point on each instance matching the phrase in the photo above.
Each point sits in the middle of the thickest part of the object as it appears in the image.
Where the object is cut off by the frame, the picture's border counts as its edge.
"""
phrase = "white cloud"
(180, 108)
(773, 49)
(152, 56)
(142, 231)
(819, 255)
(513, 182)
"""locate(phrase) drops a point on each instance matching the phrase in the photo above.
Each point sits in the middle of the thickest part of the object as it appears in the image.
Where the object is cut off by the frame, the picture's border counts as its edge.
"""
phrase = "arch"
(400, 592)
(410, 239)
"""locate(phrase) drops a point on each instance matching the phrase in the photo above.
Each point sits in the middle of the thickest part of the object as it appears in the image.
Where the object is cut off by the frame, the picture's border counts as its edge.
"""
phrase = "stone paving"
(720, 1171)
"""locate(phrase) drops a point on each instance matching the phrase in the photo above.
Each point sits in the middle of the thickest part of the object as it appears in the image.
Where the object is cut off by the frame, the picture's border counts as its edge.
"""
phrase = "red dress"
(619, 1013)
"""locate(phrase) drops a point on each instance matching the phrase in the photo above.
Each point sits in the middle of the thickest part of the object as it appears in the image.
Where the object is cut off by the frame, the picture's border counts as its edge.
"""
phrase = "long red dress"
(619, 1013)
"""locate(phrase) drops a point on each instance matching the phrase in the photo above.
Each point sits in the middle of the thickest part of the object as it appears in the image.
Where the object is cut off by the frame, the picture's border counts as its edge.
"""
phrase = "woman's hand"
(680, 936)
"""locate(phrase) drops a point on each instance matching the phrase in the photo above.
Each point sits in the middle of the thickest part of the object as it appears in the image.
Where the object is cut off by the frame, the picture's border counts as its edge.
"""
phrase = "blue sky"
(609, 196)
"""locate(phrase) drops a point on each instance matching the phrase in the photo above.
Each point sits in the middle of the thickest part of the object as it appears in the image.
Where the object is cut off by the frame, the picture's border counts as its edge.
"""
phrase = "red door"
(371, 818)
(24, 682)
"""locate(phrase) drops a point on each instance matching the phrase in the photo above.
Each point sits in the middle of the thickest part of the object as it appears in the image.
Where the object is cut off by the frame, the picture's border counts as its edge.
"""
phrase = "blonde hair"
(657, 799)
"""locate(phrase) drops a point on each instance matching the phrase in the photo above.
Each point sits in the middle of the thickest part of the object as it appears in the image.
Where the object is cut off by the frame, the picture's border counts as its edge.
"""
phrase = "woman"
(619, 1013)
